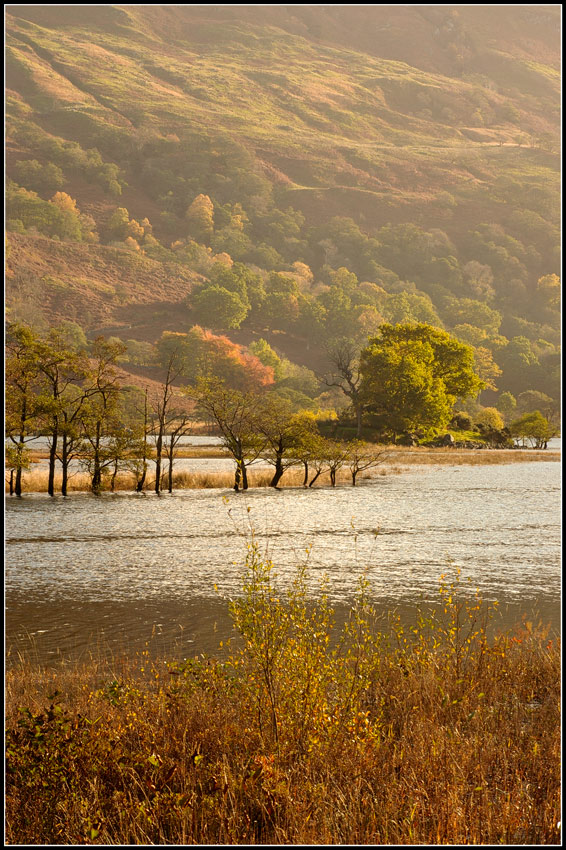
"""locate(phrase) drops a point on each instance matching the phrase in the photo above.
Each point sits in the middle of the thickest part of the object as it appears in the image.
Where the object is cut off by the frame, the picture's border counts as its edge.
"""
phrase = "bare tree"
(181, 426)
(163, 414)
(233, 412)
(100, 408)
(362, 456)
(22, 398)
(344, 355)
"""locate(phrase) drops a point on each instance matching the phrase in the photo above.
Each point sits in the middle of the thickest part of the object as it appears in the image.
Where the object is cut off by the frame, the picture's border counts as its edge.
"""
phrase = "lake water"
(120, 569)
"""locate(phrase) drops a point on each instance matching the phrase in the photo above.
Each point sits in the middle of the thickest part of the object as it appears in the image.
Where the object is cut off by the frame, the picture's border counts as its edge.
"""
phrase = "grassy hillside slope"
(291, 120)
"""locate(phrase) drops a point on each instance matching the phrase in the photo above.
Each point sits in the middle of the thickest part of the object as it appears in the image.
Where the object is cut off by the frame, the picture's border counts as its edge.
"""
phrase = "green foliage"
(264, 352)
(531, 400)
(200, 219)
(232, 241)
(219, 308)
(412, 375)
(520, 365)
(52, 753)
(72, 336)
(491, 418)
(506, 404)
(403, 307)
(279, 310)
(467, 311)
(139, 353)
(548, 291)
(240, 279)
(58, 217)
(461, 421)
(117, 225)
(45, 179)
(533, 427)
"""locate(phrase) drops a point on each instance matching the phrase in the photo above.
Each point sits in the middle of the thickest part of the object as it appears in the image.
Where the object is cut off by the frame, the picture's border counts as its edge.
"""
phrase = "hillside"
(388, 162)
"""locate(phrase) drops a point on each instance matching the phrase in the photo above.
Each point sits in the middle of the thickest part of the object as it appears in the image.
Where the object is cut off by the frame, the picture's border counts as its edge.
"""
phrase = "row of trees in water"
(74, 398)
(406, 379)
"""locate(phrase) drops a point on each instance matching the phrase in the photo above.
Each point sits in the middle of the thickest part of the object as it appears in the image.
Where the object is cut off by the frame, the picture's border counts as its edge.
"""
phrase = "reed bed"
(430, 735)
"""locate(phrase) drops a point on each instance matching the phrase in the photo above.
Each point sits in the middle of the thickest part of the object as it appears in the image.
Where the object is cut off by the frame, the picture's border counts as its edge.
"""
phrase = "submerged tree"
(179, 427)
(163, 415)
(233, 413)
(99, 412)
(362, 456)
(23, 404)
(284, 434)
(307, 448)
(74, 402)
(61, 368)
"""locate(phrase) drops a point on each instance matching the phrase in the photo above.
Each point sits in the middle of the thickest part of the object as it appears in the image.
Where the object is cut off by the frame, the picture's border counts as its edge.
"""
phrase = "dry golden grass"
(389, 739)
(35, 480)
(468, 457)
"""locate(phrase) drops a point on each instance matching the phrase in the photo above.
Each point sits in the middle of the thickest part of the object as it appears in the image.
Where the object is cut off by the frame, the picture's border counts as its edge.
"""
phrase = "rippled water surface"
(119, 567)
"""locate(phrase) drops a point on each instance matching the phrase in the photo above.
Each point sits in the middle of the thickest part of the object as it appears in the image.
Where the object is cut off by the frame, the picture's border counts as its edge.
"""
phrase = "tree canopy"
(412, 375)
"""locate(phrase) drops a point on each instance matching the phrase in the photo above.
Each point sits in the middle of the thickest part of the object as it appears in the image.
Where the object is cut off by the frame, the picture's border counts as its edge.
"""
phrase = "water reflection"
(121, 567)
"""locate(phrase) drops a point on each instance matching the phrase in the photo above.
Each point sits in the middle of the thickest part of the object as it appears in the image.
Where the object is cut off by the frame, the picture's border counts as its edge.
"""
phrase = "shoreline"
(398, 460)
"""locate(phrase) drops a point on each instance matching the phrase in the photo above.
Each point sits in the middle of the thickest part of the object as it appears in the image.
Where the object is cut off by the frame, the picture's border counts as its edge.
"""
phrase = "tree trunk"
(19, 469)
(244, 476)
(11, 482)
(65, 466)
(278, 472)
(114, 474)
(306, 476)
(354, 473)
(333, 477)
(315, 477)
(97, 473)
(52, 458)
(141, 481)
(21, 445)
(158, 451)
(171, 466)
(237, 476)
